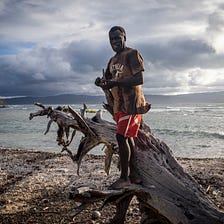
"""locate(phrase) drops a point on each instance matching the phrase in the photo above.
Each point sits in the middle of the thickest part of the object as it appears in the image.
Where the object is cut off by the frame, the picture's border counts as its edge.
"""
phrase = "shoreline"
(34, 185)
(100, 154)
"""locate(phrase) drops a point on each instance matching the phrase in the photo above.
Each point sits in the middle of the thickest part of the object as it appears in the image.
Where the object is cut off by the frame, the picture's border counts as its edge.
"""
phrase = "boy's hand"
(98, 81)
(108, 84)
(105, 84)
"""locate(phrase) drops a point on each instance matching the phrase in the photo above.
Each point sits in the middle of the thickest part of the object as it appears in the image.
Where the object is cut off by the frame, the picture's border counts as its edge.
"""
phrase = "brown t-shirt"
(128, 99)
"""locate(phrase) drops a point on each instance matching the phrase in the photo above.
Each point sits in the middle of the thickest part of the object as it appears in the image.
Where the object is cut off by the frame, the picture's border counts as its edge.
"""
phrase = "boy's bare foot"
(135, 179)
(120, 184)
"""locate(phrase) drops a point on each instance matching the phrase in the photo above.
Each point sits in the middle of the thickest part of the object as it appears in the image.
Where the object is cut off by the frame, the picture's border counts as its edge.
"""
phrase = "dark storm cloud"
(87, 56)
(73, 67)
(53, 47)
(43, 71)
(178, 53)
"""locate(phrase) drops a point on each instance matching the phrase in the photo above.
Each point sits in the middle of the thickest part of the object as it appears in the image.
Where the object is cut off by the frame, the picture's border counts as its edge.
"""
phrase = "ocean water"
(191, 131)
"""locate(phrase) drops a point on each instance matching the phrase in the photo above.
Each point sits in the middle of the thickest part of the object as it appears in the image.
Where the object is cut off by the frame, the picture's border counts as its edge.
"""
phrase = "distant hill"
(209, 97)
(59, 99)
(213, 97)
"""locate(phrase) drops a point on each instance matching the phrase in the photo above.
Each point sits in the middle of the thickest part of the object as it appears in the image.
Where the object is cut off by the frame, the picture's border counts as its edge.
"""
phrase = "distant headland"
(208, 97)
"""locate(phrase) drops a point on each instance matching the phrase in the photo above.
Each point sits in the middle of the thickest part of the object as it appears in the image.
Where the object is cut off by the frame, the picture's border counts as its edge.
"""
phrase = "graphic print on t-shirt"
(116, 69)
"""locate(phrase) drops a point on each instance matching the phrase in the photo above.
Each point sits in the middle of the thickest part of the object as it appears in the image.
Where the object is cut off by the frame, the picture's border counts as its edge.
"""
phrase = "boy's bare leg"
(124, 153)
(134, 177)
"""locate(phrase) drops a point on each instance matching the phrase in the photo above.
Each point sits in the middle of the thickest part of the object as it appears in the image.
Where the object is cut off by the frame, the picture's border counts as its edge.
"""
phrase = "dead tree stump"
(168, 195)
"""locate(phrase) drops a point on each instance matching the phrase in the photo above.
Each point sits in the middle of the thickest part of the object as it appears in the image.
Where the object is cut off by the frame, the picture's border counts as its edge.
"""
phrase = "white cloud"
(206, 77)
(216, 30)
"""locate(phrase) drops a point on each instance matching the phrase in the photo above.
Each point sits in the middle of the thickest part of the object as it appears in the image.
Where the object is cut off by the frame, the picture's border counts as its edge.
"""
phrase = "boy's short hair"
(114, 28)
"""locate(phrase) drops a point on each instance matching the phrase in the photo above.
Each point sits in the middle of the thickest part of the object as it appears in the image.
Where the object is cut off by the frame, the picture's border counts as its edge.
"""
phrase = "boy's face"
(117, 40)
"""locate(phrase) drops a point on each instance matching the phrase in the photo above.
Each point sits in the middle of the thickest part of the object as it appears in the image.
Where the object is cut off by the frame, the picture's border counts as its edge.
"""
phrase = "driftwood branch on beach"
(167, 195)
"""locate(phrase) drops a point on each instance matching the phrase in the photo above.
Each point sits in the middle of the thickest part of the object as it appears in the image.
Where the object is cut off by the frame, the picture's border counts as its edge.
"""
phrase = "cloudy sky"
(51, 47)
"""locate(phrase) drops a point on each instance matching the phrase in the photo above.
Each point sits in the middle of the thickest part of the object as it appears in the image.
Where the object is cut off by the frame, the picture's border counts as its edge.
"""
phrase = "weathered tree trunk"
(167, 195)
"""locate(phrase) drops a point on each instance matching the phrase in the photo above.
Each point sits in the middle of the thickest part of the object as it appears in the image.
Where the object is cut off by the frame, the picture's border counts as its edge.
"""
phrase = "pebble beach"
(35, 186)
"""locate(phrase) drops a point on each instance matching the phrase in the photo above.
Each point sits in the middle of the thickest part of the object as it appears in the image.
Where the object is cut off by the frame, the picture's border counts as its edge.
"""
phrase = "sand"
(35, 186)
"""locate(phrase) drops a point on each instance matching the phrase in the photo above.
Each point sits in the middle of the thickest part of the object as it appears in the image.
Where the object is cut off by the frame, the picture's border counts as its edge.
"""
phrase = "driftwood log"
(168, 195)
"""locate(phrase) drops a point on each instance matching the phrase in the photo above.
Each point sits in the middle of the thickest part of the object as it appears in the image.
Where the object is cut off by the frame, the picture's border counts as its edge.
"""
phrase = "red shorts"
(127, 125)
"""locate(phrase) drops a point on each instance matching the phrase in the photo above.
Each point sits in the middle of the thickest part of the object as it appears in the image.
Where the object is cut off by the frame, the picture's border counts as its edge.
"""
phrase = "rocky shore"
(34, 186)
